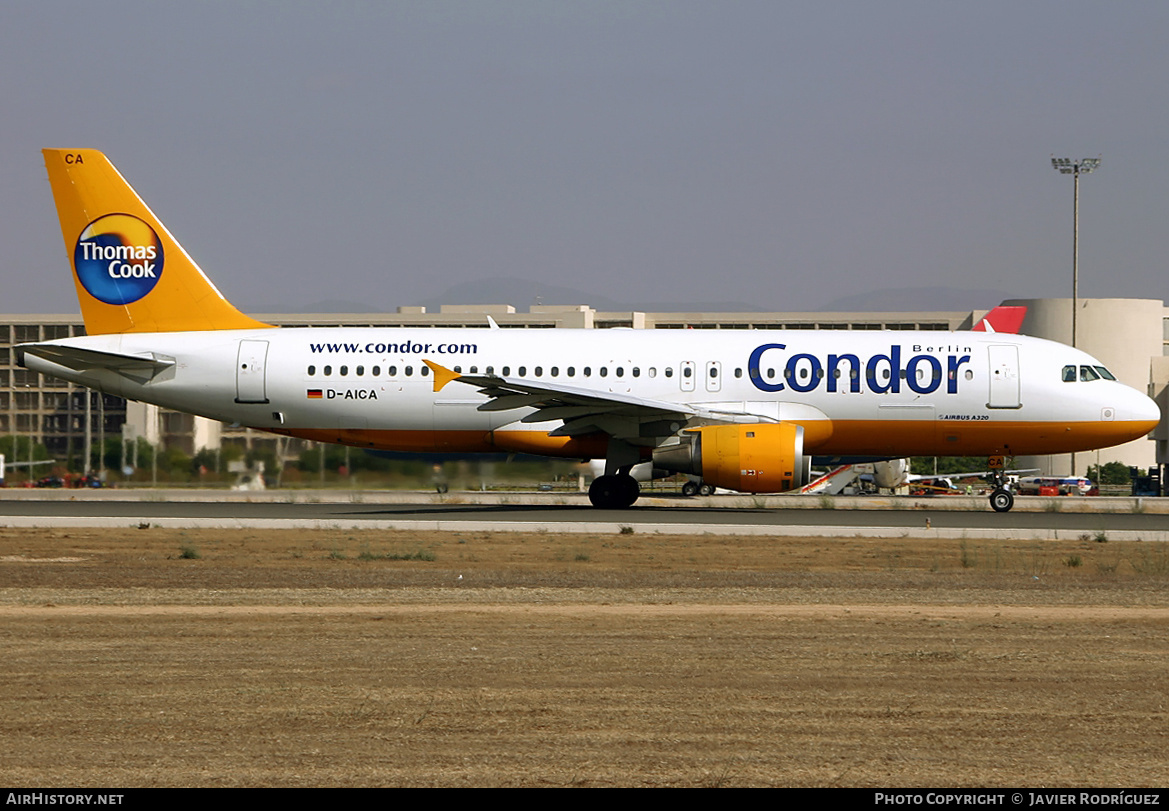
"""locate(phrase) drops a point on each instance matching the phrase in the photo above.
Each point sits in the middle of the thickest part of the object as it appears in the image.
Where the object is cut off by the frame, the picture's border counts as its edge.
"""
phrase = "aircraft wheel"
(1002, 500)
(614, 492)
(706, 490)
(690, 489)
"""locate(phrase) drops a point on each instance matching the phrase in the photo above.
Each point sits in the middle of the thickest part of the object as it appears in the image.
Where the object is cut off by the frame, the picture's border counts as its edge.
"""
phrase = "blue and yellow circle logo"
(118, 258)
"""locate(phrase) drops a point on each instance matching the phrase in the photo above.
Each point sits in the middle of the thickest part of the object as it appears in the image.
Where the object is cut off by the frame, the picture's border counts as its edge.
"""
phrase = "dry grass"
(317, 658)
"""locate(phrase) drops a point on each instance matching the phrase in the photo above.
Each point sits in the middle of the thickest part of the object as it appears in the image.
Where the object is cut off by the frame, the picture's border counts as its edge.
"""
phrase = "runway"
(906, 518)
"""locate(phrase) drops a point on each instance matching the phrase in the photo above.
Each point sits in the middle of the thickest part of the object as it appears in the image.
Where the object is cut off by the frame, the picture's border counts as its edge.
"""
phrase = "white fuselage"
(871, 393)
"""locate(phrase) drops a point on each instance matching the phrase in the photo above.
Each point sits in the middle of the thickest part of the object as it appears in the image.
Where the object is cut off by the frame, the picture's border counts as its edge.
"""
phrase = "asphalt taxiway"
(1113, 519)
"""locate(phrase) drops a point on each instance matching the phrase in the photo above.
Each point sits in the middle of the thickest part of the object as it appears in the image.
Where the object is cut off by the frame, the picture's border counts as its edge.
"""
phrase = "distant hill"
(916, 299)
(523, 293)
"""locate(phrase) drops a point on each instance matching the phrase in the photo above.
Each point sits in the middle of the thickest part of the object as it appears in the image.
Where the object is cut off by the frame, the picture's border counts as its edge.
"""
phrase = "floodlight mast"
(1066, 166)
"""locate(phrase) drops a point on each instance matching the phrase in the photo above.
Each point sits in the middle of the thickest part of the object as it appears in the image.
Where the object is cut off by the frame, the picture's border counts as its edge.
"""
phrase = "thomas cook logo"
(118, 259)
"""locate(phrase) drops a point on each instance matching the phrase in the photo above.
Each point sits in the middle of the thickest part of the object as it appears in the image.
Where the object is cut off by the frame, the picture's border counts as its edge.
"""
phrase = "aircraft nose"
(1146, 411)
(1139, 412)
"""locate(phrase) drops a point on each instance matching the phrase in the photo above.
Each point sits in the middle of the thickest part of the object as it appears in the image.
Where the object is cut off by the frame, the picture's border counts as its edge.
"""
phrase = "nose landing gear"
(1001, 498)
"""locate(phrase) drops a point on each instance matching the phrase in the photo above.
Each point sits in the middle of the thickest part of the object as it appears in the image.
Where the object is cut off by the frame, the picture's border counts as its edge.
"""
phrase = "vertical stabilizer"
(131, 274)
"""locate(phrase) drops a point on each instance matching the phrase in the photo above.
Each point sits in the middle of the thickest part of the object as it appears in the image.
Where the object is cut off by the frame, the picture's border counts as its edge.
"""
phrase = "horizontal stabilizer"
(139, 368)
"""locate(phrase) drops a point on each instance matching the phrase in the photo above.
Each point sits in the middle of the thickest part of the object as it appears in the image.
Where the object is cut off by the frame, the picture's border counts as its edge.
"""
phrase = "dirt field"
(247, 658)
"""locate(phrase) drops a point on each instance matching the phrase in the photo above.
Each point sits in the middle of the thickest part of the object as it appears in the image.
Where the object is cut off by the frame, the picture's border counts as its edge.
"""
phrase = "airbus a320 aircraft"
(744, 410)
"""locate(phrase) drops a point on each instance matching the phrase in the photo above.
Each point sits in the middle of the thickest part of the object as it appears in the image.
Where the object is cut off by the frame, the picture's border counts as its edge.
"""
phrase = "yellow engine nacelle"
(755, 458)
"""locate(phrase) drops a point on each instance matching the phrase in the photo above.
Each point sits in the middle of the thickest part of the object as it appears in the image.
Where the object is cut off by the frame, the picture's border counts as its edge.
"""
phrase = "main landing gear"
(615, 491)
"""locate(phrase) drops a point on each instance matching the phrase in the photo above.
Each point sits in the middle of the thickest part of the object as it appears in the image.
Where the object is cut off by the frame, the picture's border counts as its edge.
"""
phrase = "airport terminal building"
(1130, 336)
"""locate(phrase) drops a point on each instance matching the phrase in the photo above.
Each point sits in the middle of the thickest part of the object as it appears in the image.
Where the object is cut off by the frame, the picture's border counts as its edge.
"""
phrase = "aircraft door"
(713, 375)
(686, 375)
(1004, 376)
(250, 386)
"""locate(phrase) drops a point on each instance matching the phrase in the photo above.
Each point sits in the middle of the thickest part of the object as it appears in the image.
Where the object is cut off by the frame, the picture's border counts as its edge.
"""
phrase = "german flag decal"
(314, 394)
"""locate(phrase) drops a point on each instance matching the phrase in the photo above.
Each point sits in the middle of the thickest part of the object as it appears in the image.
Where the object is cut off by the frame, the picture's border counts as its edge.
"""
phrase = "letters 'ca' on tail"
(131, 274)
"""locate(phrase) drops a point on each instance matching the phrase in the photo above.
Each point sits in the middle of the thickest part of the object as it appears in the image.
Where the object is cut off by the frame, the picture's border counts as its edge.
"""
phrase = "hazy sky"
(770, 152)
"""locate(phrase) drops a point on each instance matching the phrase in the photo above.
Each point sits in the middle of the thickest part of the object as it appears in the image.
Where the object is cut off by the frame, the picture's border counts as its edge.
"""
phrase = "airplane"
(5, 464)
(744, 410)
(1061, 485)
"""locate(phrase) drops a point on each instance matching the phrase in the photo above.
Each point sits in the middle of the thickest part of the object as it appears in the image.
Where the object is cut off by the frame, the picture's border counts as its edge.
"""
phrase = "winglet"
(442, 375)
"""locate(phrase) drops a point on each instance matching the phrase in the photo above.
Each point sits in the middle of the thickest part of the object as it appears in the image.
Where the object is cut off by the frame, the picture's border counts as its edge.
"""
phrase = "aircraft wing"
(140, 368)
(976, 474)
(586, 411)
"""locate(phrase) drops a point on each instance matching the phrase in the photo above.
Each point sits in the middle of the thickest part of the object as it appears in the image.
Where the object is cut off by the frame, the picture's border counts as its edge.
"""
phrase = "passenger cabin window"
(312, 370)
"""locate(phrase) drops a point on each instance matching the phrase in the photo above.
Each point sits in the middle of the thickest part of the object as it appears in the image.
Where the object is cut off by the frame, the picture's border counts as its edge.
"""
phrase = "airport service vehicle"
(743, 410)
(1055, 486)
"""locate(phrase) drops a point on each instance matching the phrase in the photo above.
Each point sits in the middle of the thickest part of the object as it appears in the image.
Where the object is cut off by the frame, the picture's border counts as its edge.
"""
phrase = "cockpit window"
(1104, 373)
(1069, 374)
(1088, 373)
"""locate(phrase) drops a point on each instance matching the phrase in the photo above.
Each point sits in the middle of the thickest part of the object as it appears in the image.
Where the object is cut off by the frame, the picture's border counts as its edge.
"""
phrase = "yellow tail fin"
(131, 274)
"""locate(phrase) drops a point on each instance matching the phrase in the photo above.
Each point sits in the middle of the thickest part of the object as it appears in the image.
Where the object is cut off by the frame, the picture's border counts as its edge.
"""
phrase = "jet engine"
(753, 458)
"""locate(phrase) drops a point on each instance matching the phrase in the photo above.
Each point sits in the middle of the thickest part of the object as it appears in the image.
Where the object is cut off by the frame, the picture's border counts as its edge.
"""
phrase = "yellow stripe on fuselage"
(848, 437)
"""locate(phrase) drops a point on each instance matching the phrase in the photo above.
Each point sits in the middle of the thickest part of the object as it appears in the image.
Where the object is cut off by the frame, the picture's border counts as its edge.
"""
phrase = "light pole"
(1084, 166)
(1066, 166)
